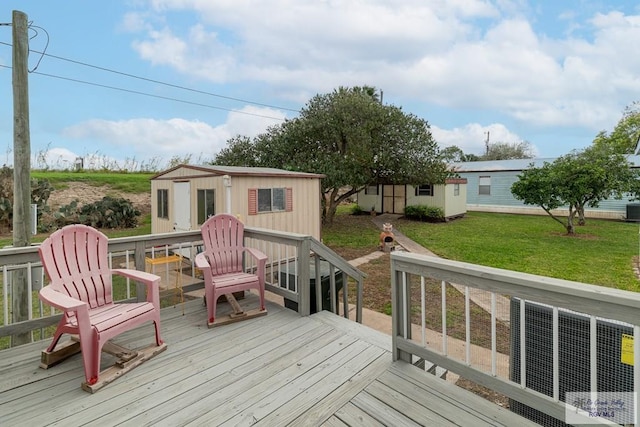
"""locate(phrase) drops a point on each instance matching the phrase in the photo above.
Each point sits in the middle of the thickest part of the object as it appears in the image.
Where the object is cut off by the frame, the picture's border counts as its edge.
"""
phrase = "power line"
(151, 95)
(35, 28)
(133, 76)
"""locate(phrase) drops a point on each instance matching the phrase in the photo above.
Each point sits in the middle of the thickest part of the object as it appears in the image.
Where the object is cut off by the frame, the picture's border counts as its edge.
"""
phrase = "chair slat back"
(223, 237)
(76, 262)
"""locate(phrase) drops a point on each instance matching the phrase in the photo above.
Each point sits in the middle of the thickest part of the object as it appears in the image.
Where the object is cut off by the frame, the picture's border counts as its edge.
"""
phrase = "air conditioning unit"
(633, 212)
(574, 356)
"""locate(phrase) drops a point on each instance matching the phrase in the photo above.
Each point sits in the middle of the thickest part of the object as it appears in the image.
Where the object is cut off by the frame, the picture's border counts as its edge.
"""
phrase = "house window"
(263, 200)
(484, 185)
(424, 190)
(371, 190)
(163, 204)
(206, 205)
(270, 199)
(456, 189)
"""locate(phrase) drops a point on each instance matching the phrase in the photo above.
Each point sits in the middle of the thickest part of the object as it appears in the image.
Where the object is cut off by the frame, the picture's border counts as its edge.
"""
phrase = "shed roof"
(215, 170)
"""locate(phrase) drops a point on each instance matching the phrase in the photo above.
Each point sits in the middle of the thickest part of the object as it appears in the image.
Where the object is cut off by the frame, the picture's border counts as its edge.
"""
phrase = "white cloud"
(472, 138)
(54, 158)
(145, 138)
(456, 54)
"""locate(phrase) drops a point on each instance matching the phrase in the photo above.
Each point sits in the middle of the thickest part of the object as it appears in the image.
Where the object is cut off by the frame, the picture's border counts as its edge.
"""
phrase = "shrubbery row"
(424, 213)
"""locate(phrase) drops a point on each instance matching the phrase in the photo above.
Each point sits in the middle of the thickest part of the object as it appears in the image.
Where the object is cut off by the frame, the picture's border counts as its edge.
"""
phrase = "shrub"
(424, 213)
(109, 212)
(357, 210)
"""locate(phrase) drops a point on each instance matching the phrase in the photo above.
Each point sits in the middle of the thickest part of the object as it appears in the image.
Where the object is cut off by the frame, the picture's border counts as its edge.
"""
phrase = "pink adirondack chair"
(222, 264)
(75, 260)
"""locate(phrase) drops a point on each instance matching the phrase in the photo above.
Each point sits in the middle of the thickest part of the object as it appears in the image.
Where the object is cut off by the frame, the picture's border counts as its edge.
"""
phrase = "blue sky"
(553, 73)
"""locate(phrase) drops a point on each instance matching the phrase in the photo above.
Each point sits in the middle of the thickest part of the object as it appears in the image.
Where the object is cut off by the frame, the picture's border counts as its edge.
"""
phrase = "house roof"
(498, 165)
(215, 170)
(514, 164)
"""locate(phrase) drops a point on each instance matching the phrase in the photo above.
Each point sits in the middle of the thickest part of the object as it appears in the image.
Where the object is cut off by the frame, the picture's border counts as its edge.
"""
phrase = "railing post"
(318, 279)
(400, 326)
(359, 301)
(140, 264)
(304, 279)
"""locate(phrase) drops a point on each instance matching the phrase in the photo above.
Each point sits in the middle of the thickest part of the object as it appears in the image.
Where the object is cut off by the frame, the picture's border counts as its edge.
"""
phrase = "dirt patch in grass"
(85, 193)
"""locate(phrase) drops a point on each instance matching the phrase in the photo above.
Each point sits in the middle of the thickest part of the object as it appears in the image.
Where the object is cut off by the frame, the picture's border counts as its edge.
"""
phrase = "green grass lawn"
(601, 253)
(126, 181)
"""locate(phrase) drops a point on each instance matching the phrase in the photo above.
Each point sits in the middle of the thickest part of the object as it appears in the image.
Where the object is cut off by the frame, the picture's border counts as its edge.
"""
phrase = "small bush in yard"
(357, 210)
(424, 213)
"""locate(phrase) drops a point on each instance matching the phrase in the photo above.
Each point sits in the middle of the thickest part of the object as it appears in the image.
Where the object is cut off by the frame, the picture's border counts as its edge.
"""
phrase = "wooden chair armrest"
(60, 300)
(138, 276)
(152, 281)
(259, 256)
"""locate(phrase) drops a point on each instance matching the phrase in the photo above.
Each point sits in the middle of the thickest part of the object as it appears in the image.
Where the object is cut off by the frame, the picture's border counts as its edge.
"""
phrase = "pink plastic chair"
(222, 261)
(75, 260)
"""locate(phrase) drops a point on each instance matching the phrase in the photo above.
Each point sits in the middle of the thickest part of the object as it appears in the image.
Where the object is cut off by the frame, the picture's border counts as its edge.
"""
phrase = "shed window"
(163, 203)
(206, 204)
(371, 190)
(262, 200)
(456, 189)
(424, 190)
(484, 185)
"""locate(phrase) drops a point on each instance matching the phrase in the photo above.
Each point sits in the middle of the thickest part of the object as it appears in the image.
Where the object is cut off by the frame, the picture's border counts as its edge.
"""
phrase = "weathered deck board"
(351, 415)
(280, 369)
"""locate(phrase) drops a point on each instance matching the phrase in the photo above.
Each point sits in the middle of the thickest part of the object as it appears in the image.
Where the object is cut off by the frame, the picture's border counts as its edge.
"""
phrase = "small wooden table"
(166, 260)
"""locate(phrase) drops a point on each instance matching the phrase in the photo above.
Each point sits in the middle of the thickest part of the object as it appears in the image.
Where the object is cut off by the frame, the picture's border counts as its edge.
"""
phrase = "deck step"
(429, 367)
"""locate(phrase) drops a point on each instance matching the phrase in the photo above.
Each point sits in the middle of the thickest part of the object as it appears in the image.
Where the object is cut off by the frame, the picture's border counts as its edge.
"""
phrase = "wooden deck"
(281, 369)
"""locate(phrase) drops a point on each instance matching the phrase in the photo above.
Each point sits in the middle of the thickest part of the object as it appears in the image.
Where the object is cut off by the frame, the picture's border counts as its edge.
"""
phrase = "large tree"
(576, 180)
(351, 138)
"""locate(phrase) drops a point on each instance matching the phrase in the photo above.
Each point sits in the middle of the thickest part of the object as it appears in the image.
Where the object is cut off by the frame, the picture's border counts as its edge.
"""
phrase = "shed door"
(181, 206)
(393, 199)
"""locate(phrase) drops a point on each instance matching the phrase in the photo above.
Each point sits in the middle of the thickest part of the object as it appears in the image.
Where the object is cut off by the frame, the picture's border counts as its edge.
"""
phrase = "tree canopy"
(495, 151)
(625, 136)
(351, 138)
(576, 180)
(508, 150)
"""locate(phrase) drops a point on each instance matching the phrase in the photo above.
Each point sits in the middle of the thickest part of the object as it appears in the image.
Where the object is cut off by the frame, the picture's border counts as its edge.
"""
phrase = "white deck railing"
(294, 260)
(535, 340)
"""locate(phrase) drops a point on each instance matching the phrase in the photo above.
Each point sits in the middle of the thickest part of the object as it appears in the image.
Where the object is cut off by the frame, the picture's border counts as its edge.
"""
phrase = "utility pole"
(21, 169)
(486, 144)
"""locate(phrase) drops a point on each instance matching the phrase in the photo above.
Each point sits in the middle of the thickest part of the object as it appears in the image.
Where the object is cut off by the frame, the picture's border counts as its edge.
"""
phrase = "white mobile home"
(183, 197)
(451, 197)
